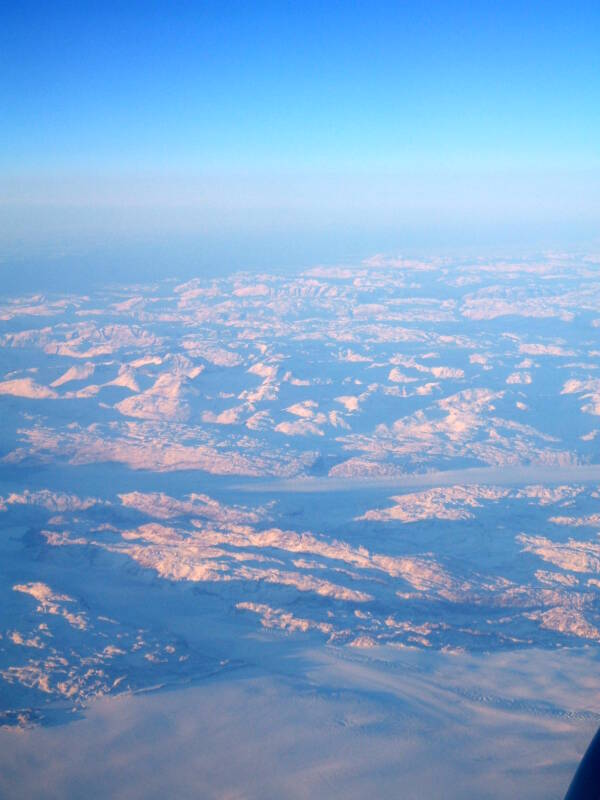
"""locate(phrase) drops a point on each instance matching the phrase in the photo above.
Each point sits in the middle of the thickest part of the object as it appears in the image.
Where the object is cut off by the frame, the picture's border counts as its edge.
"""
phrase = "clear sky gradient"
(331, 118)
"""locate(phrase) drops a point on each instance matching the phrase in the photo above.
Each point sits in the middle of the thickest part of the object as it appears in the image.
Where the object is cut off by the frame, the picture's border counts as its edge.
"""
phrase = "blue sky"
(184, 118)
